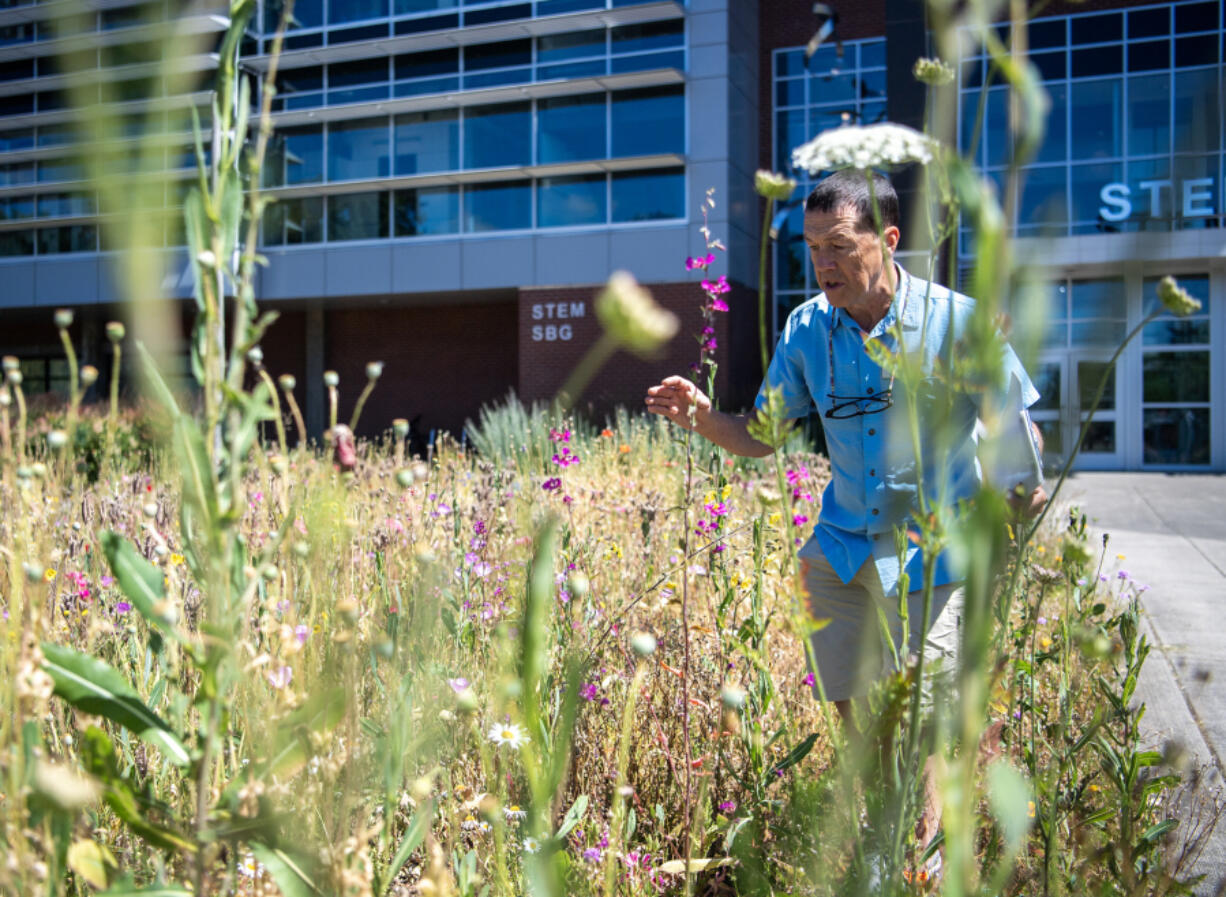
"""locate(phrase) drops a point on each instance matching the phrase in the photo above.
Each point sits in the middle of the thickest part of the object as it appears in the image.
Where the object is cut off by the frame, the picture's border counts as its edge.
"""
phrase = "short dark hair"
(849, 187)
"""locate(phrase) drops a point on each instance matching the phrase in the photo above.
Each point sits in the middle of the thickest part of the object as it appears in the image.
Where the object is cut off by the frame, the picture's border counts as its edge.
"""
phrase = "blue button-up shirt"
(873, 484)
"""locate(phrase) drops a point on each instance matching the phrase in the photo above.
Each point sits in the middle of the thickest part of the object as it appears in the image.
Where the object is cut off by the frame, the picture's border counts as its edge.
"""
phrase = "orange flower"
(624, 449)
(606, 433)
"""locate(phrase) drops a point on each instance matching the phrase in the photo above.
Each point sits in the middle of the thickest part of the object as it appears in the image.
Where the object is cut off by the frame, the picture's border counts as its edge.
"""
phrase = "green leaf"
(91, 861)
(1156, 831)
(161, 391)
(413, 837)
(1009, 799)
(94, 687)
(126, 888)
(794, 756)
(142, 583)
(572, 817)
(199, 488)
(320, 714)
(289, 871)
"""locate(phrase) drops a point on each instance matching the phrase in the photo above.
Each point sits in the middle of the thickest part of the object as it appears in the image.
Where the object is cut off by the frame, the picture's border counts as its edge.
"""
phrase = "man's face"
(847, 259)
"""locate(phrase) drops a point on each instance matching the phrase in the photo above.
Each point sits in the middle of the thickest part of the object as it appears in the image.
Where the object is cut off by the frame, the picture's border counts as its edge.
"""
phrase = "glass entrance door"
(1101, 448)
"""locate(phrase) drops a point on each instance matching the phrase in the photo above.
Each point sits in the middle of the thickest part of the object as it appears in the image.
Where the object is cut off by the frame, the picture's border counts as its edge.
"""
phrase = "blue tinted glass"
(304, 80)
(790, 92)
(73, 238)
(648, 121)
(497, 135)
(1149, 109)
(825, 59)
(872, 53)
(357, 216)
(429, 210)
(428, 23)
(504, 76)
(996, 135)
(296, 220)
(55, 205)
(1097, 119)
(571, 69)
(1087, 183)
(1149, 55)
(1043, 199)
(561, 202)
(423, 65)
(1196, 178)
(571, 128)
(789, 134)
(358, 94)
(306, 14)
(406, 7)
(572, 45)
(1055, 137)
(1149, 22)
(831, 88)
(497, 14)
(872, 85)
(17, 207)
(1050, 65)
(358, 149)
(1098, 298)
(355, 10)
(16, 140)
(551, 7)
(16, 242)
(425, 86)
(352, 74)
(641, 62)
(427, 141)
(1199, 50)
(1046, 33)
(500, 55)
(647, 36)
(791, 62)
(648, 195)
(1196, 17)
(60, 170)
(791, 256)
(1150, 183)
(497, 206)
(294, 156)
(1098, 29)
(1197, 120)
(1108, 60)
(873, 112)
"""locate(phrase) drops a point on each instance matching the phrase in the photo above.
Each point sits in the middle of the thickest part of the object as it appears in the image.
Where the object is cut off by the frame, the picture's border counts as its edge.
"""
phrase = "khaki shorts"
(850, 651)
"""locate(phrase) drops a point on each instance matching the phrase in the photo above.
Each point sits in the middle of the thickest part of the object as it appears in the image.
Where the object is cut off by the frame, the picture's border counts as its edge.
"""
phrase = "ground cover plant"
(563, 656)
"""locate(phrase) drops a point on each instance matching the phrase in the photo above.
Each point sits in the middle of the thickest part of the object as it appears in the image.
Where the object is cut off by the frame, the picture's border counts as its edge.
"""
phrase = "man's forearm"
(730, 432)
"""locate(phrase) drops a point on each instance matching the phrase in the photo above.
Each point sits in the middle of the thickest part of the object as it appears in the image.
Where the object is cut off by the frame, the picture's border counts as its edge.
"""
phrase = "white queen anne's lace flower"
(868, 146)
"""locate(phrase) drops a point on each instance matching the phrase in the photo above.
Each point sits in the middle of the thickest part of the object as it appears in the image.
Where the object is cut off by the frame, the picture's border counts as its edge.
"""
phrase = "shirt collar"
(904, 301)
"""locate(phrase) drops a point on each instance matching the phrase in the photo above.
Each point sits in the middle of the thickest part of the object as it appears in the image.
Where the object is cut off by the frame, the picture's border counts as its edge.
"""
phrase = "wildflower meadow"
(561, 655)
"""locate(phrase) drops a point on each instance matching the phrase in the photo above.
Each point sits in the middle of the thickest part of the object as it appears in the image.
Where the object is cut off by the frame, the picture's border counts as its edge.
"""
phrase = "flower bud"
(14, 377)
(114, 331)
(332, 379)
(1176, 299)
(643, 643)
(302, 548)
(400, 427)
(733, 696)
(57, 439)
(374, 370)
(632, 318)
(33, 572)
(421, 471)
(89, 376)
(466, 701)
(287, 382)
(10, 363)
(578, 585)
(5, 398)
(269, 572)
(63, 318)
(38, 470)
(255, 355)
(774, 186)
(933, 72)
(150, 509)
(404, 478)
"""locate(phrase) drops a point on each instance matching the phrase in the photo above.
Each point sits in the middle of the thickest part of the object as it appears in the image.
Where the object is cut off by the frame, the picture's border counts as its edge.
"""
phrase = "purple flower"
(704, 263)
(1041, 620)
(553, 484)
(800, 519)
(458, 684)
(122, 607)
(106, 581)
(301, 632)
(481, 569)
(1124, 576)
(479, 527)
(592, 854)
(719, 305)
(809, 680)
(588, 691)
(727, 806)
(280, 677)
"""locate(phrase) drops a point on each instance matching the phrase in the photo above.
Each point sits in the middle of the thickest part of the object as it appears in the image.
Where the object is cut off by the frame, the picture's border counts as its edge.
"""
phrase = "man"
(851, 563)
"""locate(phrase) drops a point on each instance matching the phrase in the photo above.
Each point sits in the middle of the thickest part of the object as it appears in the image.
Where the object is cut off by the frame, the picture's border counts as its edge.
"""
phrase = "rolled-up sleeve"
(787, 370)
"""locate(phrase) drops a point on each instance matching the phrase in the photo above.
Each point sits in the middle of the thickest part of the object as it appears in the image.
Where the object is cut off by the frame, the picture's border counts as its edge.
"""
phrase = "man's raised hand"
(674, 398)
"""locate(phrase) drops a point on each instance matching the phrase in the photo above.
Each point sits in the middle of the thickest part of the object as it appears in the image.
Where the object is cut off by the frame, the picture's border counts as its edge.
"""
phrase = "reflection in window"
(427, 141)
(571, 128)
(61, 205)
(1098, 298)
(296, 220)
(650, 195)
(340, 11)
(295, 156)
(357, 216)
(1175, 435)
(358, 149)
(567, 201)
(1176, 377)
(498, 135)
(493, 207)
(1097, 116)
(648, 121)
(16, 242)
(1043, 204)
(572, 45)
(429, 210)
(1149, 109)
(1197, 121)
(73, 238)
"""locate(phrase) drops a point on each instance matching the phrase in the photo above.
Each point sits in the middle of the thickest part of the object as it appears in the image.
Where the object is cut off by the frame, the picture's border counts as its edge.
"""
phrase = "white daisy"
(509, 733)
(514, 813)
(531, 845)
(469, 824)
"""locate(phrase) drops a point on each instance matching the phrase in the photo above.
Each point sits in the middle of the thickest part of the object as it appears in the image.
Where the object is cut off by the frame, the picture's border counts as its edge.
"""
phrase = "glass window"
(1090, 374)
(60, 170)
(1051, 66)
(340, 11)
(427, 141)
(1196, 17)
(358, 149)
(428, 210)
(1149, 109)
(872, 53)
(1149, 22)
(1098, 298)
(351, 82)
(790, 62)
(1043, 200)
(290, 83)
(357, 216)
(1055, 138)
(498, 135)
(1092, 61)
(13, 208)
(296, 220)
(1199, 50)
(1176, 332)
(1098, 29)
(790, 92)
(790, 133)
(73, 238)
(1098, 333)
(492, 207)
(648, 195)
(572, 45)
(1197, 286)
(832, 87)
(16, 242)
(425, 65)
(1176, 435)
(1197, 119)
(1176, 377)
(1150, 55)
(500, 55)
(565, 201)
(1097, 116)
(306, 14)
(1198, 196)
(406, 7)
(647, 36)
(996, 134)
(571, 128)
(295, 156)
(16, 140)
(1047, 33)
(791, 259)
(648, 121)
(56, 205)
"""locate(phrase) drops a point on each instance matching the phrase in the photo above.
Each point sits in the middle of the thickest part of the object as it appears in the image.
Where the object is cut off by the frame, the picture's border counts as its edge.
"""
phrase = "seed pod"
(114, 331)
(63, 318)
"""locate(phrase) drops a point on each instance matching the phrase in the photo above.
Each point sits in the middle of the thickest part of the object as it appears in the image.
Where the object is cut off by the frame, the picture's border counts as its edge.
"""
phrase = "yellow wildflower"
(177, 559)
(725, 492)
(1030, 809)
(49, 575)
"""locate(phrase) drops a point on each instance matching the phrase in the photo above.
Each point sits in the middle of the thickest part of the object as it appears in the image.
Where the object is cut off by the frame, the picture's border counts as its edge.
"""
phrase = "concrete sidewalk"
(1171, 529)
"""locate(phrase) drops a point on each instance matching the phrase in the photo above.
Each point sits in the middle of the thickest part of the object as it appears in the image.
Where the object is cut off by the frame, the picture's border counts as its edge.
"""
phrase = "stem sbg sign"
(1163, 198)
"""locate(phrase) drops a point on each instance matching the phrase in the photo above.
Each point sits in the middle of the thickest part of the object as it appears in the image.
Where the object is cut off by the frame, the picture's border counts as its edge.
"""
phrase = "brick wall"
(558, 325)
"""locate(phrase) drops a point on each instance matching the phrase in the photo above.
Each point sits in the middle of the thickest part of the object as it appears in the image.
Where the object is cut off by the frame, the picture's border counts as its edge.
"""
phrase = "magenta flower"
(800, 519)
(719, 305)
(553, 484)
(703, 263)
(727, 806)
(588, 691)
(300, 633)
(122, 607)
(721, 285)
(458, 684)
(809, 680)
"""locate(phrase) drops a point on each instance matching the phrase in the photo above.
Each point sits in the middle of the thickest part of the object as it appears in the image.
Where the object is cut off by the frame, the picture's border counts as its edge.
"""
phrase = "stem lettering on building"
(1189, 198)
(555, 311)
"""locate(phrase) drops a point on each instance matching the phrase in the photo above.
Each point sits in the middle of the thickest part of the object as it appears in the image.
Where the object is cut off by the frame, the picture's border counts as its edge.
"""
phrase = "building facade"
(455, 180)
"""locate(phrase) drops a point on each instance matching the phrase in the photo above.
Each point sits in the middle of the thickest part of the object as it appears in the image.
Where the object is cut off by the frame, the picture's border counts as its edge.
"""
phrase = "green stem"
(74, 389)
(592, 361)
(276, 407)
(357, 409)
(113, 411)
